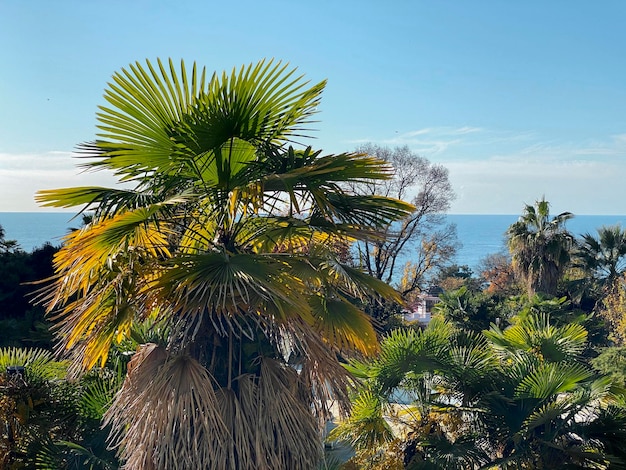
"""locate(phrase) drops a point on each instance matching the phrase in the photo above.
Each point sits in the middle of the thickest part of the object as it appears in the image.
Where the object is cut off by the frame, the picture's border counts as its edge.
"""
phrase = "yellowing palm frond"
(343, 325)
(227, 284)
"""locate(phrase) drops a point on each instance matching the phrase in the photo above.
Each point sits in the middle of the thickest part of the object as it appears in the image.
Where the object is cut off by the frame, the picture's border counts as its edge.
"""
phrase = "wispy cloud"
(443, 131)
(427, 141)
(498, 170)
(22, 175)
(610, 147)
(431, 141)
(36, 162)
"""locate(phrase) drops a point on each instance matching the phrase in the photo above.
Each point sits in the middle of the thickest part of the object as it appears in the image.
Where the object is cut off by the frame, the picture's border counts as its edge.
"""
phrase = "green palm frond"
(308, 170)
(609, 427)
(470, 360)
(105, 200)
(284, 234)
(366, 428)
(356, 282)
(549, 379)
(231, 283)
(535, 334)
(98, 391)
(547, 414)
(413, 353)
(66, 455)
(442, 453)
(265, 102)
(343, 325)
(162, 113)
(38, 363)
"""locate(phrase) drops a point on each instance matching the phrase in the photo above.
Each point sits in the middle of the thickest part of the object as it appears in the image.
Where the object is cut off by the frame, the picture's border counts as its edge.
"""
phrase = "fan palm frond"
(366, 428)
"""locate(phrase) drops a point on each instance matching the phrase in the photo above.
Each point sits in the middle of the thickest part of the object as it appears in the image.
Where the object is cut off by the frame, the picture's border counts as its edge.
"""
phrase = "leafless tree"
(423, 240)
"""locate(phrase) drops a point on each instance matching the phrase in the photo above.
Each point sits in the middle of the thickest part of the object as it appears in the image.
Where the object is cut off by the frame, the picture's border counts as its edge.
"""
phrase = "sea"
(479, 235)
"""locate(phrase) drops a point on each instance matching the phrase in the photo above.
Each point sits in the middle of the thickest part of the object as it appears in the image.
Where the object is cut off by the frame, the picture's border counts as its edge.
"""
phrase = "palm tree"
(604, 256)
(27, 402)
(602, 261)
(518, 398)
(225, 232)
(540, 247)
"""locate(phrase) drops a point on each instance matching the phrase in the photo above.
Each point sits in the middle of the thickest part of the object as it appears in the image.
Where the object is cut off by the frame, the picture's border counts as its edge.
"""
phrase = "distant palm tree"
(228, 236)
(540, 247)
(604, 256)
(7, 246)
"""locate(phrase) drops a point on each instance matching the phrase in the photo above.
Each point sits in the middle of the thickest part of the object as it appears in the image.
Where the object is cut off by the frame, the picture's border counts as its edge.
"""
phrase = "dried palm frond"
(323, 380)
(166, 415)
(269, 424)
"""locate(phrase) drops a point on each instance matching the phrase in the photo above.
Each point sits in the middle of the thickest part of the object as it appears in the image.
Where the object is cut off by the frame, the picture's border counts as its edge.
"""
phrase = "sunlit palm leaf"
(231, 285)
(535, 334)
(343, 325)
(553, 378)
(38, 363)
(366, 428)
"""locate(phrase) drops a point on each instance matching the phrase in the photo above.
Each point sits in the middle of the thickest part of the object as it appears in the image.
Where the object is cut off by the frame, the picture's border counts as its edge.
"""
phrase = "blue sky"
(517, 99)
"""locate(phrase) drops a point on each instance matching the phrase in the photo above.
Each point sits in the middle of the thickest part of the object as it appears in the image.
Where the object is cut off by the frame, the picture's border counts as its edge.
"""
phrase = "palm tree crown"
(540, 247)
(603, 256)
(227, 234)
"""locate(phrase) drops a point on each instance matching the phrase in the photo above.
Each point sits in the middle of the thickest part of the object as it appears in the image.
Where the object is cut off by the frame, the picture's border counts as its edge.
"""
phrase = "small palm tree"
(518, 398)
(26, 401)
(540, 247)
(226, 236)
(604, 256)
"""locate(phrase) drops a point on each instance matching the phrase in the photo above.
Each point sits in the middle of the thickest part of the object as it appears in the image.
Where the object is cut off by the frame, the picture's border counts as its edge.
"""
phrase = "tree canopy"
(540, 247)
(227, 235)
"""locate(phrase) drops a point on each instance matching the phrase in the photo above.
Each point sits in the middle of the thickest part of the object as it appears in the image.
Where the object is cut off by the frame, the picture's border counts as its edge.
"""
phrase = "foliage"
(26, 401)
(612, 307)
(603, 257)
(8, 246)
(23, 324)
(455, 276)
(472, 311)
(612, 361)
(387, 314)
(51, 421)
(520, 397)
(599, 277)
(229, 238)
(497, 272)
(540, 247)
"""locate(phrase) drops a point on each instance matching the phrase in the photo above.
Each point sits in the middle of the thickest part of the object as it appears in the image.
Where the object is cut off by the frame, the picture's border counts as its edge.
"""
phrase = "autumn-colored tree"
(497, 271)
(612, 307)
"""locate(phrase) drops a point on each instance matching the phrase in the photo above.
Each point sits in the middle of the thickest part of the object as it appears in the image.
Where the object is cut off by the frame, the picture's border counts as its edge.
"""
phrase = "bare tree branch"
(423, 239)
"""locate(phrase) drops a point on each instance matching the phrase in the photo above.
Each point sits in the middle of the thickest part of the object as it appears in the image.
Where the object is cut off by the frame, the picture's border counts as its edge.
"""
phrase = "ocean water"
(34, 229)
(480, 235)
